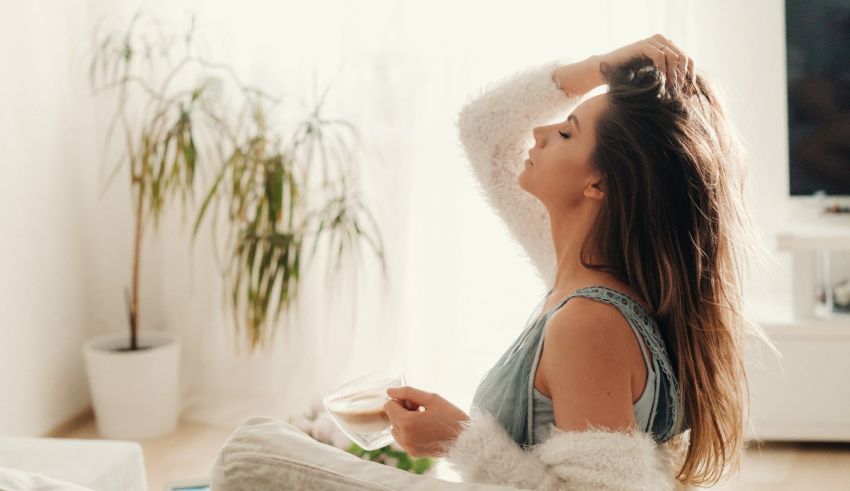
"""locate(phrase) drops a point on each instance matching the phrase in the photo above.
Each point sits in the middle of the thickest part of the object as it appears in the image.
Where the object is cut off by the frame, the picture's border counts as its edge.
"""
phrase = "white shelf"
(805, 395)
(839, 326)
(831, 235)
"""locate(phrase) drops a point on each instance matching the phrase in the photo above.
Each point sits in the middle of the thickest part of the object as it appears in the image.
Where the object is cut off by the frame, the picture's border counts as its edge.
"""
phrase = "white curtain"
(460, 289)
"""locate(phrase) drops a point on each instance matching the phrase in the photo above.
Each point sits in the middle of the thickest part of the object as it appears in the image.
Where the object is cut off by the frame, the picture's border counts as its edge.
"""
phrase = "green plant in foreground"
(387, 455)
(318, 425)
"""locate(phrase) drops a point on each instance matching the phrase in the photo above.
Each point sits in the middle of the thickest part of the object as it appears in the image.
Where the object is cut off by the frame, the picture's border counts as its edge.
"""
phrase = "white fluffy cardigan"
(495, 128)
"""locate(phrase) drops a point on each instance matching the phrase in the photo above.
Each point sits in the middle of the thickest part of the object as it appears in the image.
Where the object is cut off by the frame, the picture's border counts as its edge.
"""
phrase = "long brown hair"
(675, 227)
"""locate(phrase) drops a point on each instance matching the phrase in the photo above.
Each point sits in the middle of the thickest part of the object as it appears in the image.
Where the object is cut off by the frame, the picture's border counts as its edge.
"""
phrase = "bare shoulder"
(588, 323)
(589, 351)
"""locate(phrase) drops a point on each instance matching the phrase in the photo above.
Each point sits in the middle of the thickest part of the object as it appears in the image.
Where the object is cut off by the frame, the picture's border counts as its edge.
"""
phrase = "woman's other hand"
(672, 61)
(424, 423)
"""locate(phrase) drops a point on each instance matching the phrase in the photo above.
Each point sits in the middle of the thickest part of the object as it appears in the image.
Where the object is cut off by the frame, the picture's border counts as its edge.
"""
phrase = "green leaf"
(404, 462)
(190, 156)
(212, 193)
(196, 92)
(421, 465)
(286, 268)
(268, 287)
(356, 450)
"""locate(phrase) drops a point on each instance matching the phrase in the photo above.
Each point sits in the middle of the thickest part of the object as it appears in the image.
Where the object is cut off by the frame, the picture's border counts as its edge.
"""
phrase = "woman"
(630, 372)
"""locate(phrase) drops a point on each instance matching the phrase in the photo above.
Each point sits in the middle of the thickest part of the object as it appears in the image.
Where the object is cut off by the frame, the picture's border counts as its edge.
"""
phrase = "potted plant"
(265, 178)
(276, 218)
(134, 375)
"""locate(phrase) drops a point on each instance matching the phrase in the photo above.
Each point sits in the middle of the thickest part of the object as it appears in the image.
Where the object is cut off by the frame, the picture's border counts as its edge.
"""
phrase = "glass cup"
(357, 408)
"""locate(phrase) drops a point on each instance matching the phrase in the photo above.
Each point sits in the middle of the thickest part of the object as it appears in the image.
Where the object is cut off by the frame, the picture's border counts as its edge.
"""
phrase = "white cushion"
(266, 454)
(104, 465)
(18, 480)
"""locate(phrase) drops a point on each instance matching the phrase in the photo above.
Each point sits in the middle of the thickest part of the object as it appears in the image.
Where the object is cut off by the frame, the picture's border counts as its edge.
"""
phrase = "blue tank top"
(507, 389)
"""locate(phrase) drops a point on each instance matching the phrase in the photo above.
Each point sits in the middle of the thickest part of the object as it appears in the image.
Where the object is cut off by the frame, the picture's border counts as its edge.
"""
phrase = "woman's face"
(559, 172)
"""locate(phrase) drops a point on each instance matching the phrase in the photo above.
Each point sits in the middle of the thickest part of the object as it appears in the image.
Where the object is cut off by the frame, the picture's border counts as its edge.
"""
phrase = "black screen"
(818, 61)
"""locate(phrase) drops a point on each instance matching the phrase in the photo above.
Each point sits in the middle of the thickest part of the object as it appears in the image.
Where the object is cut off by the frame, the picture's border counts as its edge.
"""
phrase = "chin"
(522, 181)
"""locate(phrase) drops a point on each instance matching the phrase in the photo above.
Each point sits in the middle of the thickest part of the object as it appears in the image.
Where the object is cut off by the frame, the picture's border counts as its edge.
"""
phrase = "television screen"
(817, 34)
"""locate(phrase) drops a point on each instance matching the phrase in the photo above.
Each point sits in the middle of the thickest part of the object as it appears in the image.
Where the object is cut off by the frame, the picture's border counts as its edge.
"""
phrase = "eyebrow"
(572, 116)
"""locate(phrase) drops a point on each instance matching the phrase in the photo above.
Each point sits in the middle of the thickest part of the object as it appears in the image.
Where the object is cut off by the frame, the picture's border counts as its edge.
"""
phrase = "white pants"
(266, 454)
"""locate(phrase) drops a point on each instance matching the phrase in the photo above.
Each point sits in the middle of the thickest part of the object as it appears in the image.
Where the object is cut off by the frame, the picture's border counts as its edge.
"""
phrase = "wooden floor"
(191, 450)
(792, 466)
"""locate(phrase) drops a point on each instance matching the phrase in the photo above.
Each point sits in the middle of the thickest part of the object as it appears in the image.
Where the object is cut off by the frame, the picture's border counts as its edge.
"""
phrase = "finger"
(414, 395)
(683, 61)
(395, 411)
(690, 78)
(692, 73)
(399, 439)
(410, 406)
(668, 66)
(655, 43)
(660, 61)
(672, 64)
(657, 56)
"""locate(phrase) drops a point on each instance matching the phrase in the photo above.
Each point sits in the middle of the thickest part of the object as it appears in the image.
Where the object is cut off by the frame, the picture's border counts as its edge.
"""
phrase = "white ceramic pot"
(134, 393)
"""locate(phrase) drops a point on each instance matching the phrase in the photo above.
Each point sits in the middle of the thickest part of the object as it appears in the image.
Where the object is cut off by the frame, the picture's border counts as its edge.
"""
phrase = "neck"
(568, 234)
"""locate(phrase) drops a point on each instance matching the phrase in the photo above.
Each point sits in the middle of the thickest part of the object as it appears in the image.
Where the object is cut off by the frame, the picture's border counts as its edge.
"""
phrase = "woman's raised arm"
(495, 131)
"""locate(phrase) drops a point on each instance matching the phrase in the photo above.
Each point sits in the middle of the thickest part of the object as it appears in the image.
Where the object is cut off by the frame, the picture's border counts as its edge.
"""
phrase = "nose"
(537, 132)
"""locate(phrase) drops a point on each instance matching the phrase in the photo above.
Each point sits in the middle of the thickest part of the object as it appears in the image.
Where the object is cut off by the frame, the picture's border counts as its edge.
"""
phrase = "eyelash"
(563, 135)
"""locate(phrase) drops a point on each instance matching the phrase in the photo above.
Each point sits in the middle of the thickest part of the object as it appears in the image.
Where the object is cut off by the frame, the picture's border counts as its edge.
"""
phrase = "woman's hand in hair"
(672, 61)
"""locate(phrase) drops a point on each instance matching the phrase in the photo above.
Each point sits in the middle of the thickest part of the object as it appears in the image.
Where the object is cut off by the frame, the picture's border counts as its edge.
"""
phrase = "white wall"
(65, 255)
(45, 307)
(748, 59)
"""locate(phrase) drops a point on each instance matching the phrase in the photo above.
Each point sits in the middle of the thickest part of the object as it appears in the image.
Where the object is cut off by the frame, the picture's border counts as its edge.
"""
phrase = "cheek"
(562, 170)
(564, 183)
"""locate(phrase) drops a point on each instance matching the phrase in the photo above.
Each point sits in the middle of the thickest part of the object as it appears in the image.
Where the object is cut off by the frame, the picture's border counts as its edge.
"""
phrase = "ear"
(596, 189)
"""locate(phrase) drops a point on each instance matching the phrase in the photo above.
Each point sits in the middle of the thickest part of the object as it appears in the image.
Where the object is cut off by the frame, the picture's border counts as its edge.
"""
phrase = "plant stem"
(137, 250)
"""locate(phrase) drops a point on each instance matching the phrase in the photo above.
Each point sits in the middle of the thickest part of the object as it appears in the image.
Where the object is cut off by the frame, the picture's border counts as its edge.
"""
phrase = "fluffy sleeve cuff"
(569, 460)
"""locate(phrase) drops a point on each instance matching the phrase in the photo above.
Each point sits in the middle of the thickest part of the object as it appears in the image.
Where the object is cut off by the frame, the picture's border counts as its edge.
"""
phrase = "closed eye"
(565, 135)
